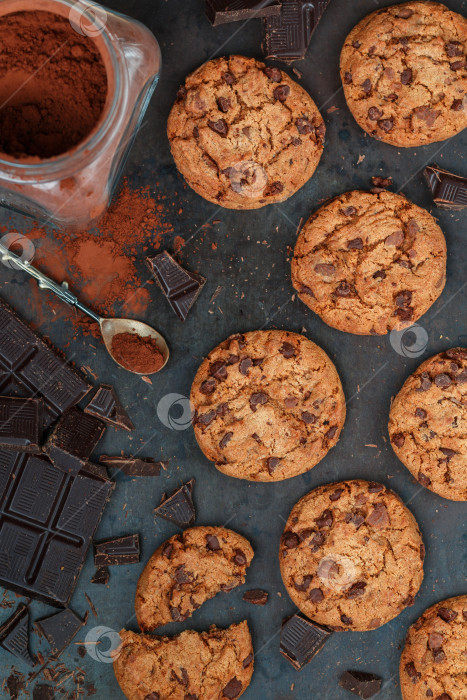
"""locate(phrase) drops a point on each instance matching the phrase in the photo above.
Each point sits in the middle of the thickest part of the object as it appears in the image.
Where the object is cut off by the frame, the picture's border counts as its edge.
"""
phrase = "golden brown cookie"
(370, 263)
(244, 135)
(269, 405)
(404, 72)
(428, 424)
(214, 665)
(434, 661)
(351, 555)
(186, 571)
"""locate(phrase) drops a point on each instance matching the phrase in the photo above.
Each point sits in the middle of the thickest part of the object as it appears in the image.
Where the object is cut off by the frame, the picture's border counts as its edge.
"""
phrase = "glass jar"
(75, 187)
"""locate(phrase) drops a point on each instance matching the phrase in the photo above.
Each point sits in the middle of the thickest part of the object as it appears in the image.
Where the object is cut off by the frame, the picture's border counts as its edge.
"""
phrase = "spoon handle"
(61, 290)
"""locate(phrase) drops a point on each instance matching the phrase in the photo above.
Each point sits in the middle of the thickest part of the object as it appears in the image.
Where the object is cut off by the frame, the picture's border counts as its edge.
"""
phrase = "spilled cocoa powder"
(136, 353)
(102, 264)
(62, 85)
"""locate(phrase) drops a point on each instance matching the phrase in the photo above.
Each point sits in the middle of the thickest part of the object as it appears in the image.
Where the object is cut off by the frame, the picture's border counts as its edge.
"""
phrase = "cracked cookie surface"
(186, 571)
(244, 135)
(268, 405)
(428, 424)
(351, 555)
(213, 665)
(404, 73)
(434, 661)
(369, 263)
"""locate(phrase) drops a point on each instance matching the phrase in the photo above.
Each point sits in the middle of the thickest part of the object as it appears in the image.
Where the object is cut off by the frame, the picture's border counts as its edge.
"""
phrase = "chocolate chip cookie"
(351, 555)
(191, 666)
(268, 405)
(428, 424)
(370, 263)
(404, 72)
(186, 571)
(243, 134)
(434, 661)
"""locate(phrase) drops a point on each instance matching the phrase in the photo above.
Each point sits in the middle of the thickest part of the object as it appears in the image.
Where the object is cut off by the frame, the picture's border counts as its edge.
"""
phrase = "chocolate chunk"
(373, 487)
(448, 453)
(288, 350)
(348, 211)
(225, 440)
(223, 104)
(355, 243)
(272, 463)
(304, 126)
(33, 367)
(239, 558)
(178, 508)
(381, 183)
(405, 13)
(324, 269)
(290, 540)
(233, 689)
(316, 595)
(412, 672)
(420, 413)
(423, 479)
(212, 543)
(406, 76)
(228, 78)
(21, 424)
(274, 74)
(208, 386)
(206, 419)
(335, 495)
(48, 517)
(308, 418)
(245, 365)
(301, 640)
(443, 381)
(379, 517)
(366, 86)
(348, 78)
(386, 124)
(288, 35)
(133, 466)
(346, 620)
(398, 439)
(447, 614)
(101, 576)
(258, 399)
(46, 692)
(273, 189)
(117, 551)
(325, 520)
(374, 114)
(356, 590)
(256, 597)
(360, 683)
(14, 635)
(218, 370)
(73, 439)
(223, 11)
(331, 432)
(344, 289)
(60, 630)
(247, 660)
(220, 127)
(449, 191)
(107, 406)
(180, 287)
(304, 586)
(281, 93)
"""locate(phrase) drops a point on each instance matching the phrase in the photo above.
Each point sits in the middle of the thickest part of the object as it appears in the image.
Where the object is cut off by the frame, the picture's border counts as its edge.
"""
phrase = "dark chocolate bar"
(60, 629)
(287, 36)
(301, 640)
(21, 422)
(107, 406)
(29, 367)
(449, 191)
(223, 11)
(178, 508)
(47, 521)
(14, 635)
(365, 685)
(101, 576)
(117, 551)
(132, 466)
(73, 439)
(180, 287)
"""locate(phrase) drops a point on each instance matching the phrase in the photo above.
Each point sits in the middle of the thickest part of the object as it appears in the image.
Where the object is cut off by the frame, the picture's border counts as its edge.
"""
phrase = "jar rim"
(49, 168)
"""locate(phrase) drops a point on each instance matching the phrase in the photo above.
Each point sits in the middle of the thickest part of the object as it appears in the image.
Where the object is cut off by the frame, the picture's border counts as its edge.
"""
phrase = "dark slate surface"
(251, 264)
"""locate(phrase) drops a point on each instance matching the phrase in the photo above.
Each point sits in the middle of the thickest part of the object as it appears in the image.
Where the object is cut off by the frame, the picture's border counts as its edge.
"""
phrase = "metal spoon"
(109, 326)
